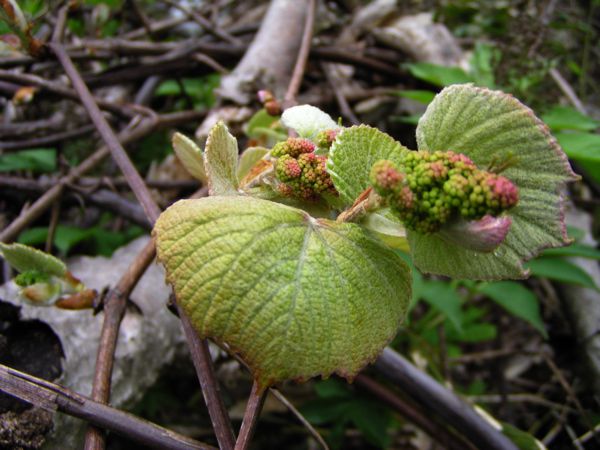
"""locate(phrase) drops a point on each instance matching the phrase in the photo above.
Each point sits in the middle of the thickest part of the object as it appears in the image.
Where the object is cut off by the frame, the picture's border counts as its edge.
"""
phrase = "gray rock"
(148, 340)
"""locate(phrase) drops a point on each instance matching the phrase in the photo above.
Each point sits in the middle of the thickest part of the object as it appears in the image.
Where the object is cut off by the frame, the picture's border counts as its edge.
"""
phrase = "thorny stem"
(52, 397)
(253, 408)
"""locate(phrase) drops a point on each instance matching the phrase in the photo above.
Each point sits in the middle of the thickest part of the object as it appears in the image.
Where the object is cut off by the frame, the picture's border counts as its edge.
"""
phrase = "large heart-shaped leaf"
(352, 155)
(491, 128)
(294, 296)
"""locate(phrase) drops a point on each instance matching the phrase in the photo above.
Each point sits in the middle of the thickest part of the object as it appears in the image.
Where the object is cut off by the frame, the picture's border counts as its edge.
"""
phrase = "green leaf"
(190, 156)
(220, 161)
(482, 69)
(561, 270)
(295, 296)
(352, 155)
(478, 332)
(584, 148)
(424, 97)
(372, 420)
(24, 258)
(249, 159)
(307, 120)
(491, 127)
(522, 439)
(438, 75)
(564, 118)
(387, 227)
(442, 296)
(577, 250)
(516, 299)
(37, 160)
(264, 126)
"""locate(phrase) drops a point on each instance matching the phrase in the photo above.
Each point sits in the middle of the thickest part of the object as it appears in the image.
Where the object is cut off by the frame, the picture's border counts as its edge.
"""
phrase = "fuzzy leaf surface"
(24, 258)
(307, 120)
(491, 127)
(190, 156)
(221, 160)
(352, 155)
(295, 296)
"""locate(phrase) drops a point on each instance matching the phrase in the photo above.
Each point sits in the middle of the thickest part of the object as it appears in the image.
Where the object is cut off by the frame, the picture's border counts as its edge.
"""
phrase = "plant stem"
(433, 396)
(53, 397)
(198, 348)
(303, 52)
(413, 414)
(253, 408)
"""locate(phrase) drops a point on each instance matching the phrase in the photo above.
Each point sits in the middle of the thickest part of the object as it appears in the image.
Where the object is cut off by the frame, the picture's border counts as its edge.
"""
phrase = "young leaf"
(220, 161)
(295, 296)
(516, 299)
(352, 155)
(561, 270)
(491, 127)
(308, 121)
(24, 258)
(249, 159)
(190, 156)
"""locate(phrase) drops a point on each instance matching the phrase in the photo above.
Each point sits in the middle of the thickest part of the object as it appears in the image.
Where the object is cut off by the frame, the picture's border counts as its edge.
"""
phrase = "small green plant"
(293, 261)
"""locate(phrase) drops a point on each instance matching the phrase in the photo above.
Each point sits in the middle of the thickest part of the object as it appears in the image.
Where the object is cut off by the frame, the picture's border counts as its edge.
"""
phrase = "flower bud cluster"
(430, 188)
(301, 172)
(293, 147)
(325, 138)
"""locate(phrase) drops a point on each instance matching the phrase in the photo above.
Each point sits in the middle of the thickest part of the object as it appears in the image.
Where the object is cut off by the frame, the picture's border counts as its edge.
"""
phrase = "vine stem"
(257, 396)
(253, 408)
(118, 296)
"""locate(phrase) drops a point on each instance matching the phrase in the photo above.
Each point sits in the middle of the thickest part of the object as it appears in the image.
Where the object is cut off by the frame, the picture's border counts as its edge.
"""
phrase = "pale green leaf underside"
(295, 296)
(24, 258)
(486, 126)
(220, 160)
(307, 120)
(352, 155)
(190, 156)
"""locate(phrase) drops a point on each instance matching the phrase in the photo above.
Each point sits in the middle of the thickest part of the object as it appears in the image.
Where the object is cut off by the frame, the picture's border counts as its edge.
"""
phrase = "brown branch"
(313, 432)
(413, 414)
(204, 22)
(302, 58)
(47, 140)
(130, 134)
(253, 408)
(25, 79)
(431, 395)
(199, 350)
(53, 397)
(110, 138)
(339, 96)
